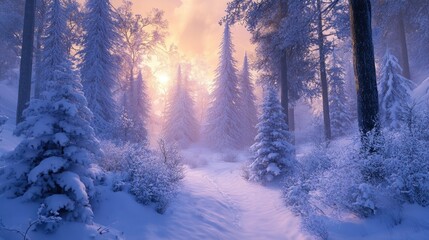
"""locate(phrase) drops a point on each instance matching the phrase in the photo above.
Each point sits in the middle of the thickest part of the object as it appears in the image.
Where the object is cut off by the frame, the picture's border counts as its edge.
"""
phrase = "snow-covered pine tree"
(222, 128)
(340, 115)
(52, 163)
(248, 110)
(142, 100)
(134, 112)
(99, 67)
(394, 92)
(181, 126)
(272, 153)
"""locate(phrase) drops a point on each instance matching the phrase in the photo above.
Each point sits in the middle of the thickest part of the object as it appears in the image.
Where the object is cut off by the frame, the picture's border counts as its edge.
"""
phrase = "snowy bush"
(113, 158)
(3, 120)
(154, 176)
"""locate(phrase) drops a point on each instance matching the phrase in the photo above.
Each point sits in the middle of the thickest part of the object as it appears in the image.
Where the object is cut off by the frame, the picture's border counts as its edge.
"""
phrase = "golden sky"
(194, 28)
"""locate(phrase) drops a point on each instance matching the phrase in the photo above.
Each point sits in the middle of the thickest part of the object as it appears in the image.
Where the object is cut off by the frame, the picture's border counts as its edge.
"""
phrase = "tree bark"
(323, 77)
(291, 124)
(364, 66)
(284, 88)
(404, 48)
(25, 71)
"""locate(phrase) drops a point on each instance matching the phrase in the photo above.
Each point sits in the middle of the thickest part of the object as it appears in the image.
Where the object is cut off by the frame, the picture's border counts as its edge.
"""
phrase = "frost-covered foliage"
(367, 183)
(222, 127)
(154, 177)
(113, 157)
(394, 91)
(272, 153)
(52, 164)
(340, 115)
(11, 21)
(3, 120)
(99, 67)
(248, 110)
(181, 126)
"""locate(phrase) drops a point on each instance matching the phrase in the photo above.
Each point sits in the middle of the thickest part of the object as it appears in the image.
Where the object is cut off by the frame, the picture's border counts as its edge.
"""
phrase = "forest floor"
(214, 202)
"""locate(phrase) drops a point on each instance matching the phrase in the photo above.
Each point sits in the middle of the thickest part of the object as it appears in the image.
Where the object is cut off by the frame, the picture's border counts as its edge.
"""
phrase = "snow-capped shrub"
(154, 177)
(113, 158)
(408, 163)
(3, 120)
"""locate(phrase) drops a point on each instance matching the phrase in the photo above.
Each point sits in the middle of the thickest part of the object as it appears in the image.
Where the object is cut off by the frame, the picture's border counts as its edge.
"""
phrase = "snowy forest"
(202, 119)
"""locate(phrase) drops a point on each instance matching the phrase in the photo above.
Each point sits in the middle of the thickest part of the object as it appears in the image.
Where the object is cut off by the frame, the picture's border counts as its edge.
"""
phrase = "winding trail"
(225, 206)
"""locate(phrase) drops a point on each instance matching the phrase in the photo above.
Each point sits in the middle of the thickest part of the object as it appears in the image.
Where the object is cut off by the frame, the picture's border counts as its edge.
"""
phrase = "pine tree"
(340, 115)
(222, 124)
(99, 66)
(248, 110)
(134, 112)
(272, 153)
(181, 126)
(394, 92)
(52, 163)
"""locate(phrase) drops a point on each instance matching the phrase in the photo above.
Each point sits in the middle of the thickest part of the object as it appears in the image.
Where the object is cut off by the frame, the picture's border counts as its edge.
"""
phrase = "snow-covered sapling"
(272, 152)
(394, 91)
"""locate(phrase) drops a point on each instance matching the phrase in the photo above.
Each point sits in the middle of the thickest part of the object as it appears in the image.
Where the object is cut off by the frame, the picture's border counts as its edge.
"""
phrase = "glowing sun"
(163, 79)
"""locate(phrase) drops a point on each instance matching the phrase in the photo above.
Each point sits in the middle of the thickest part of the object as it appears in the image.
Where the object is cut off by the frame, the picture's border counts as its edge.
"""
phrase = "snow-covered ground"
(215, 202)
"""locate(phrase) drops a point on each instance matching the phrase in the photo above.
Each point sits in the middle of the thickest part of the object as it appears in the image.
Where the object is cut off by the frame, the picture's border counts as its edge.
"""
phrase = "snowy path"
(217, 203)
(241, 210)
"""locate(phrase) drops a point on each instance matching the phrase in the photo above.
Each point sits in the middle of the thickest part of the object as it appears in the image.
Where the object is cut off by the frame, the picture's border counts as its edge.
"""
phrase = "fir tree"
(248, 108)
(272, 153)
(134, 112)
(394, 92)
(52, 163)
(340, 115)
(181, 126)
(99, 65)
(222, 124)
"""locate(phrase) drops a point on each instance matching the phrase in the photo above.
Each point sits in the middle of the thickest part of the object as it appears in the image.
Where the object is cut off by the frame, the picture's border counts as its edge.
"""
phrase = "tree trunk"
(323, 77)
(284, 88)
(404, 48)
(25, 71)
(291, 124)
(364, 66)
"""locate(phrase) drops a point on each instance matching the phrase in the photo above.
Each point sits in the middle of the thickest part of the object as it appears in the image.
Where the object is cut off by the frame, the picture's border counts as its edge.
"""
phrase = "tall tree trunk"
(284, 88)
(25, 70)
(323, 77)
(291, 124)
(364, 66)
(404, 48)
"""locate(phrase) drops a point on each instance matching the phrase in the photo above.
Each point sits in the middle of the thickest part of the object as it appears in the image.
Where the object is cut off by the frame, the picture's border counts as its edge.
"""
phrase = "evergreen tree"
(99, 67)
(222, 126)
(272, 153)
(249, 112)
(340, 115)
(134, 112)
(52, 163)
(181, 126)
(394, 92)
